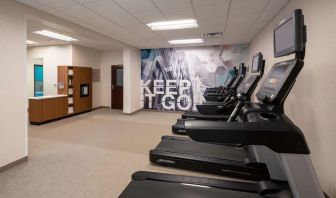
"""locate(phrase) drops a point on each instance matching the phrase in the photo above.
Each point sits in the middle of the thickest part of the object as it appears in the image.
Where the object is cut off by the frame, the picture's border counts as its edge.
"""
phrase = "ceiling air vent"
(212, 35)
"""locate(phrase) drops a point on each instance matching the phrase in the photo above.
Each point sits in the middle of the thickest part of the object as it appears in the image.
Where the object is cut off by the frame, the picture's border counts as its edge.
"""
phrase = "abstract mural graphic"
(174, 79)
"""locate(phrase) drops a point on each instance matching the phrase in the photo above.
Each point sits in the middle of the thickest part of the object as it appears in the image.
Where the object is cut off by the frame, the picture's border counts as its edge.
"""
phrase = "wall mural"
(174, 79)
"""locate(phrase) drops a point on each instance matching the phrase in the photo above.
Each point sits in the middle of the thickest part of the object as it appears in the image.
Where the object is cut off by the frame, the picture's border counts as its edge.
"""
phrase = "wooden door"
(117, 86)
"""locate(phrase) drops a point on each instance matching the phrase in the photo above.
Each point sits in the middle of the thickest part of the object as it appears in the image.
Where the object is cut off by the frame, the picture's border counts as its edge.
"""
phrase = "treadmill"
(230, 77)
(222, 110)
(276, 138)
(240, 74)
(229, 160)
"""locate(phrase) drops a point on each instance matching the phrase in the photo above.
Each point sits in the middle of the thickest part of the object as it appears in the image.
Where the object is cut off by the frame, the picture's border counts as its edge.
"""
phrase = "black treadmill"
(240, 74)
(222, 110)
(228, 160)
(231, 75)
(279, 141)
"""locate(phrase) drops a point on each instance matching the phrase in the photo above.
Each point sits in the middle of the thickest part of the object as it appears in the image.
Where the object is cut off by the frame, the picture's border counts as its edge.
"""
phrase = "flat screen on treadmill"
(276, 76)
(229, 77)
(255, 63)
(245, 86)
(285, 36)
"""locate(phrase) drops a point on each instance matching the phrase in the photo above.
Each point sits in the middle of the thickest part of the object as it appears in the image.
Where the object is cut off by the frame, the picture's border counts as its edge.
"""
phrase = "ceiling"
(85, 37)
(125, 20)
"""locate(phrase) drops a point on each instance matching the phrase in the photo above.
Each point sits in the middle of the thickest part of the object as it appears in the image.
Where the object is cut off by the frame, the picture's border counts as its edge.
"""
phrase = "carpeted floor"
(88, 156)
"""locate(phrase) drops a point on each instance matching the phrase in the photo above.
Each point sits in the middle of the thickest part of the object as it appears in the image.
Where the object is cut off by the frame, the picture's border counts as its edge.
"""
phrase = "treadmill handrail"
(281, 135)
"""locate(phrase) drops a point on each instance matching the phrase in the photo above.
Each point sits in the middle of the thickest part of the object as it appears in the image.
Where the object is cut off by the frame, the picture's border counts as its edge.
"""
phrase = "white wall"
(56, 55)
(132, 79)
(311, 103)
(52, 56)
(108, 58)
(13, 103)
(87, 57)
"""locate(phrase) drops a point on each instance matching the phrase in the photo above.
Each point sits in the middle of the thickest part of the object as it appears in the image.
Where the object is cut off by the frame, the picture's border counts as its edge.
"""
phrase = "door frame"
(38, 65)
(120, 66)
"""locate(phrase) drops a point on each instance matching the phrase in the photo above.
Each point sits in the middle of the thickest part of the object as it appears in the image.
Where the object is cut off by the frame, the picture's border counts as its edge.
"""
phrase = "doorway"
(117, 86)
(38, 80)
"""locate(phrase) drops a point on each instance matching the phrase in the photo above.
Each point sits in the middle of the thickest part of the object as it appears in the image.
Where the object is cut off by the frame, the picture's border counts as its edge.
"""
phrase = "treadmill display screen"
(285, 36)
(277, 74)
(255, 64)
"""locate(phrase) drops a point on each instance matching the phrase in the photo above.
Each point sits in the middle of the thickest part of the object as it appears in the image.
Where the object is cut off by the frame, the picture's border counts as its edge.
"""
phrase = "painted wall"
(56, 55)
(108, 58)
(188, 71)
(87, 57)
(52, 56)
(132, 75)
(311, 102)
(13, 103)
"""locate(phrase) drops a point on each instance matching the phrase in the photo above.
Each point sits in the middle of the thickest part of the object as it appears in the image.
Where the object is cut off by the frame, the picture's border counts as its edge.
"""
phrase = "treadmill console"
(279, 81)
(241, 74)
(245, 87)
(257, 63)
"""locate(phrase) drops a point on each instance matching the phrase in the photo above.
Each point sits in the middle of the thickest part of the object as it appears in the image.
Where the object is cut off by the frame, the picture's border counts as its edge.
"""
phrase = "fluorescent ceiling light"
(31, 42)
(186, 41)
(172, 25)
(55, 35)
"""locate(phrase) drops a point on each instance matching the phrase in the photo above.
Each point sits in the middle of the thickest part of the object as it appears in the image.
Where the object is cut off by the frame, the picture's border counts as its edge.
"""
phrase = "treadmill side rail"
(281, 135)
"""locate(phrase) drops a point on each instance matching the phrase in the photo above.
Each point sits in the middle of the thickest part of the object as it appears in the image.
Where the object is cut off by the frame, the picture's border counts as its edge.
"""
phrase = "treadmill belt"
(186, 146)
(197, 115)
(167, 186)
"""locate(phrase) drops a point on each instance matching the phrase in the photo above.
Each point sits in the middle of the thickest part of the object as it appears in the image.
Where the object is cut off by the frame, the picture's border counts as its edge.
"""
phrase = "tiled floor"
(92, 155)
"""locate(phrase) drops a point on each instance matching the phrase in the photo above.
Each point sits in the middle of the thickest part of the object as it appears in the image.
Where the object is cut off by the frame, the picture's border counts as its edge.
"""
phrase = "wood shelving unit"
(69, 80)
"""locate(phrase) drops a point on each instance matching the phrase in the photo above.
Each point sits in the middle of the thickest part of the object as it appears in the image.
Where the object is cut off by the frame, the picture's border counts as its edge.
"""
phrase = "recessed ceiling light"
(171, 25)
(186, 41)
(55, 35)
(31, 42)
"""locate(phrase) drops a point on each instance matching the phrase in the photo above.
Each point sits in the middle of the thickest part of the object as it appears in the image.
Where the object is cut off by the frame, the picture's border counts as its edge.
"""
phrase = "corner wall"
(132, 76)
(87, 57)
(52, 56)
(311, 102)
(13, 84)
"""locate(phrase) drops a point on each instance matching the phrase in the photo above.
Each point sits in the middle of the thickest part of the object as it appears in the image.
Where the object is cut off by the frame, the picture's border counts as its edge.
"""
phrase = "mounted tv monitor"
(290, 35)
(257, 62)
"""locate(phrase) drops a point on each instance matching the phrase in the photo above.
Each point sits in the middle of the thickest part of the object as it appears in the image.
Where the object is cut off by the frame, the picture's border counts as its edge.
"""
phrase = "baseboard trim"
(134, 112)
(60, 118)
(100, 107)
(15, 163)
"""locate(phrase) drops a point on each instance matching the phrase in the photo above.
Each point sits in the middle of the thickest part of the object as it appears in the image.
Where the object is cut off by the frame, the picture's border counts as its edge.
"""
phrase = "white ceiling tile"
(245, 7)
(208, 2)
(276, 5)
(172, 4)
(57, 3)
(86, 1)
(77, 11)
(105, 8)
(136, 6)
(209, 24)
(213, 11)
(169, 35)
(34, 4)
(194, 33)
(149, 17)
(177, 14)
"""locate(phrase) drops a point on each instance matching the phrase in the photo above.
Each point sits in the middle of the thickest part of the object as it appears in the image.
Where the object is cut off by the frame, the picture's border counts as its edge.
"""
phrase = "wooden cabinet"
(70, 79)
(47, 109)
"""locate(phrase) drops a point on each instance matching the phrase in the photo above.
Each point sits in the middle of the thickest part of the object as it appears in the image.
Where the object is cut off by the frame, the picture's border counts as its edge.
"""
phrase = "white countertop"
(46, 97)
